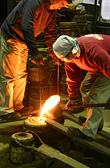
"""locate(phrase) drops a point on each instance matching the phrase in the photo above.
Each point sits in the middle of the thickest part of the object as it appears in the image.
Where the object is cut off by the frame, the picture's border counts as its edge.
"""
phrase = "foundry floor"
(7, 129)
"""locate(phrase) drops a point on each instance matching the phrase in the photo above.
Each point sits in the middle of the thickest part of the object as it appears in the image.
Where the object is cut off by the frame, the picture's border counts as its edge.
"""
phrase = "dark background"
(3, 11)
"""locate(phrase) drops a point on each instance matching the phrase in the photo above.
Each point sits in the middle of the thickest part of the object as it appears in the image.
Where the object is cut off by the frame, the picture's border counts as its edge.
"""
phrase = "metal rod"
(92, 105)
(87, 105)
(58, 79)
(39, 90)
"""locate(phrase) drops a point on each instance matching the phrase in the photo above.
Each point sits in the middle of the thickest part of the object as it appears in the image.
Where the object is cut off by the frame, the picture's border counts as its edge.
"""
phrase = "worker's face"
(68, 58)
(58, 4)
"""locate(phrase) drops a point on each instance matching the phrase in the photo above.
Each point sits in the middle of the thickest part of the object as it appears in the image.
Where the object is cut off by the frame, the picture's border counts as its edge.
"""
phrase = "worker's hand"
(55, 60)
(37, 59)
(37, 62)
(70, 103)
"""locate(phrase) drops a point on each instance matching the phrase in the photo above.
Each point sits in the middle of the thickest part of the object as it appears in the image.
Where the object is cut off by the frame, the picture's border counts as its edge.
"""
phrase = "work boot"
(82, 120)
(76, 132)
(25, 110)
(9, 115)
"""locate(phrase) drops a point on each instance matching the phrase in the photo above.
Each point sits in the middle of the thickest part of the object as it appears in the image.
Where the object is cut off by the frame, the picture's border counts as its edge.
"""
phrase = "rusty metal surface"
(33, 123)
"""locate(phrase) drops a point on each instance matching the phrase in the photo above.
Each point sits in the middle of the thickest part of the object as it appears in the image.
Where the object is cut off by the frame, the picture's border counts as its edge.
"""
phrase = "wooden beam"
(53, 153)
(75, 119)
(90, 144)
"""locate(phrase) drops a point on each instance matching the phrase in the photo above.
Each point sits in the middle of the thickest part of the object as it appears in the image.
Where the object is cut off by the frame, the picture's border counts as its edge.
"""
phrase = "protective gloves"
(74, 4)
(37, 59)
(70, 103)
(55, 60)
(38, 62)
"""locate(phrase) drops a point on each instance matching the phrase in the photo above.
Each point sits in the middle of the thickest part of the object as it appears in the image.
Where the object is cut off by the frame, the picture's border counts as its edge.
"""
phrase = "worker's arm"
(74, 77)
(51, 36)
(27, 25)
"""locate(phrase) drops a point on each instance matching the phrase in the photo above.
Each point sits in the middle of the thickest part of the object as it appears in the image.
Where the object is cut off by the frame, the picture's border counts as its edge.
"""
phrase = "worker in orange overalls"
(18, 36)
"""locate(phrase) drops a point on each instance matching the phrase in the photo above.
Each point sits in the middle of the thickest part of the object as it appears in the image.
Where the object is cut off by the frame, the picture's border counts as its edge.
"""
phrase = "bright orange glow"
(49, 104)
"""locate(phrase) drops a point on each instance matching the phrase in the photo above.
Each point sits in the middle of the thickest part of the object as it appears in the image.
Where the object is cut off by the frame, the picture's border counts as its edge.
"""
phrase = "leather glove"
(37, 59)
(70, 103)
(37, 62)
(55, 60)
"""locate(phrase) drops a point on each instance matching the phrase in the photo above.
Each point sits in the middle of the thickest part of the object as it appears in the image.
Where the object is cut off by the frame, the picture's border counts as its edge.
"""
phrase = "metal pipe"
(58, 79)
(75, 106)
(39, 89)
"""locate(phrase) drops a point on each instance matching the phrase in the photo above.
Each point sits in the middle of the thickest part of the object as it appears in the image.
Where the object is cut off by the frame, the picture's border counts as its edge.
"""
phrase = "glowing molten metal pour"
(49, 104)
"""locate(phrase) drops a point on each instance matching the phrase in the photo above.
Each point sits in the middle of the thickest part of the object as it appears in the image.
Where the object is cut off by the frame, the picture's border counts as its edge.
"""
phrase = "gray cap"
(64, 44)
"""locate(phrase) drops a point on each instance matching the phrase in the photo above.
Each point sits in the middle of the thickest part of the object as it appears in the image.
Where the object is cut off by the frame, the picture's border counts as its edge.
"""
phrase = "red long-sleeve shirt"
(94, 57)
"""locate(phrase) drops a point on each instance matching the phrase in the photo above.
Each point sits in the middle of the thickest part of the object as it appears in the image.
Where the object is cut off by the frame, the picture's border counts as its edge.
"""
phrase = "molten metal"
(49, 104)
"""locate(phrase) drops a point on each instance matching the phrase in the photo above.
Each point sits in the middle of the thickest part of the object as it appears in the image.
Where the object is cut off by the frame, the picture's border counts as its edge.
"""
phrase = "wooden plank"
(53, 153)
(91, 144)
(75, 119)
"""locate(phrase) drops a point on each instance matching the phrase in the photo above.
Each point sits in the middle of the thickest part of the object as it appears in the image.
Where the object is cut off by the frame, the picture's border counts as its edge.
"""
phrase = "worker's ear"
(70, 53)
(73, 55)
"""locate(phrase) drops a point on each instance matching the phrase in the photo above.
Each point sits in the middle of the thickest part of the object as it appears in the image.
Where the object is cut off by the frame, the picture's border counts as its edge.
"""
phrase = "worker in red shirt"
(92, 54)
(18, 36)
